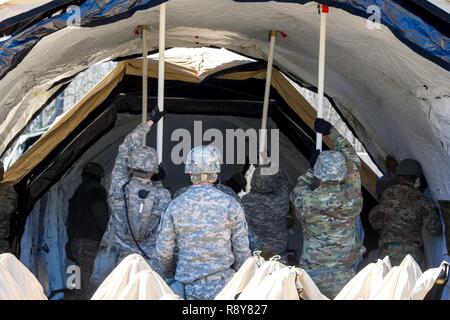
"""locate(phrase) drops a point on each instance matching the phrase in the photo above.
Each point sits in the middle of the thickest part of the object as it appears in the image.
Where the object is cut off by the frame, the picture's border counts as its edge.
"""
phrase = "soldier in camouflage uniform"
(8, 206)
(136, 203)
(206, 227)
(327, 201)
(266, 207)
(401, 215)
(216, 184)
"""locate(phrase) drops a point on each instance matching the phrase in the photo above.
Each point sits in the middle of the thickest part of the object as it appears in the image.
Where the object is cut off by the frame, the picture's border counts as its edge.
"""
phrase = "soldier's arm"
(376, 218)
(431, 219)
(353, 161)
(304, 183)
(166, 243)
(119, 174)
(239, 237)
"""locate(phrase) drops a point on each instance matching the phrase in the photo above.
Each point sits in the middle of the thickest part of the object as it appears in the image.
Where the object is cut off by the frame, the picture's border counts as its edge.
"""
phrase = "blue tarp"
(422, 34)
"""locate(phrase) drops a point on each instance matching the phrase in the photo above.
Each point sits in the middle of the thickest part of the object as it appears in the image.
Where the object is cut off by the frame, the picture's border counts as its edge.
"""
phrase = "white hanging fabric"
(427, 281)
(400, 281)
(367, 282)
(306, 287)
(241, 279)
(132, 279)
(278, 285)
(17, 282)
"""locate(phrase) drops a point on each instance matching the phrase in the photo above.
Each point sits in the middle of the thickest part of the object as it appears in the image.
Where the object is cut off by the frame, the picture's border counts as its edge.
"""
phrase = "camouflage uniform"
(328, 213)
(208, 230)
(399, 219)
(266, 207)
(144, 213)
(8, 206)
(219, 186)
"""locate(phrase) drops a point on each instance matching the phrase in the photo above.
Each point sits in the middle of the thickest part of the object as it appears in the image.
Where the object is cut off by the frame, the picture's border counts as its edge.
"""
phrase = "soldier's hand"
(155, 115)
(162, 173)
(313, 158)
(322, 126)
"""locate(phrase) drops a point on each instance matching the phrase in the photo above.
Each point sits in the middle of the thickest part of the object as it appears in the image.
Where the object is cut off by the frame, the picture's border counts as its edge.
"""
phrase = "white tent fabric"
(395, 99)
(133, 279)
(17, 282)
(398, 284)
(426, 282)
(306, 287)
(241, 278)
(367, 282)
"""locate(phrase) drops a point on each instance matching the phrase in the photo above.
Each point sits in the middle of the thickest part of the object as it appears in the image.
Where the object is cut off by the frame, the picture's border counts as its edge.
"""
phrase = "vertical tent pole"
(323, 27)
(263, 132)
(162, 47)
(144, 33)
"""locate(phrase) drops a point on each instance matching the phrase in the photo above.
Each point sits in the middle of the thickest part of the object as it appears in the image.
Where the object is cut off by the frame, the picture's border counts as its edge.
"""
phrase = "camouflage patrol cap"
(330, 166)
(144, 158)
(264, 183)
(409, 167)
(203, 159)
(93, 168)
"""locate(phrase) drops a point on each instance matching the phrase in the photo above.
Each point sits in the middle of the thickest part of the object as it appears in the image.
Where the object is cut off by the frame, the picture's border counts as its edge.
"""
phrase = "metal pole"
(162, 47)
(323, 34)
(144, 33)
(263, 132)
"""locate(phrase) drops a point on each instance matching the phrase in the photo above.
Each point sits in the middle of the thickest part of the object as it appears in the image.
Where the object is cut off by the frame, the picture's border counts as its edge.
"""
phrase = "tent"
(389, 81)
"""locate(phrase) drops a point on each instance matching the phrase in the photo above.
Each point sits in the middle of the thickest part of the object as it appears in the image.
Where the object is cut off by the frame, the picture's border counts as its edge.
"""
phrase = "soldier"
(207, 228)
(327, 200)
(401, 215)
(86, 224)
(266, 207)
(8, 206)
(136, 203)
(217, 184)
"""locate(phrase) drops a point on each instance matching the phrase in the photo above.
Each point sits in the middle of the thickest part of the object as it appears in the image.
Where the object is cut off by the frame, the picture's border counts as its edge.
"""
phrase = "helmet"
(330, 166)
(264, 183)
(203, 159)
(144, 158)
(409, 167)
(93, 168)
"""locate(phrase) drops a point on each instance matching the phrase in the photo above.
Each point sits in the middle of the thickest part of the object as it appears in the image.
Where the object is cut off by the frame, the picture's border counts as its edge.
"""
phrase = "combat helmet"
(203, 159)
(330, 166)
(93, 168)
(409, 167)
(145, 159)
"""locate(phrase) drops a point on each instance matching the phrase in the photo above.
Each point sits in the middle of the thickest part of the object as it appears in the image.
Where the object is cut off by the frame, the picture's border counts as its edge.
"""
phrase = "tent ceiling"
(396, 100)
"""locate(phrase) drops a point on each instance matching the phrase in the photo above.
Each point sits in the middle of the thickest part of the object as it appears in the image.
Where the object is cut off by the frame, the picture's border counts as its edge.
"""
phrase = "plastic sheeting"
(17, 282)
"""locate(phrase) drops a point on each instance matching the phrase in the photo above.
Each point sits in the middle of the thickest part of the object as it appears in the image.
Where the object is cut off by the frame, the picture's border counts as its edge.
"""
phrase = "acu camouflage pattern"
(328, 214)
(330, 166)
(266, 207)
(218, 186)
(8, 206)
(144, 158)
(203, 159)
(208, 230)
(399, 219)
(144, 214)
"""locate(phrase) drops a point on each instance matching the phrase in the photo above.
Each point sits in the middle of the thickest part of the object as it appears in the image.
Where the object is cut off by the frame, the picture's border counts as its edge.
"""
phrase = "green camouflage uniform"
(8, 206)
(328, 213)
(399, 219)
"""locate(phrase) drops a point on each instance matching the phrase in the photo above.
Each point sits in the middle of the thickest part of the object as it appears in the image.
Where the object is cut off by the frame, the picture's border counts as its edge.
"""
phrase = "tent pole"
(263, 131)
(162, 47)
(144, 30)
(323, 27)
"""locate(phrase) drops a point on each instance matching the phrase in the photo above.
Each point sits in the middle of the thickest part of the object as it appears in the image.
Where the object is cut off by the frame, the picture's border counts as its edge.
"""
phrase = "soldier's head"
(264, 183)
(409, 172)
(330, 167)
(93, 170)
(203, 164)
(2, 171)
(143, 162)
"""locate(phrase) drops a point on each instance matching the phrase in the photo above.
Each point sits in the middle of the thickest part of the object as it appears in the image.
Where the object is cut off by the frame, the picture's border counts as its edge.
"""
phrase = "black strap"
(128, 220)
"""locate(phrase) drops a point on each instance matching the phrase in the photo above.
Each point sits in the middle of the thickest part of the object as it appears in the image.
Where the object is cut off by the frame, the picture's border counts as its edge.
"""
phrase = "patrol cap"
(409, 167)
